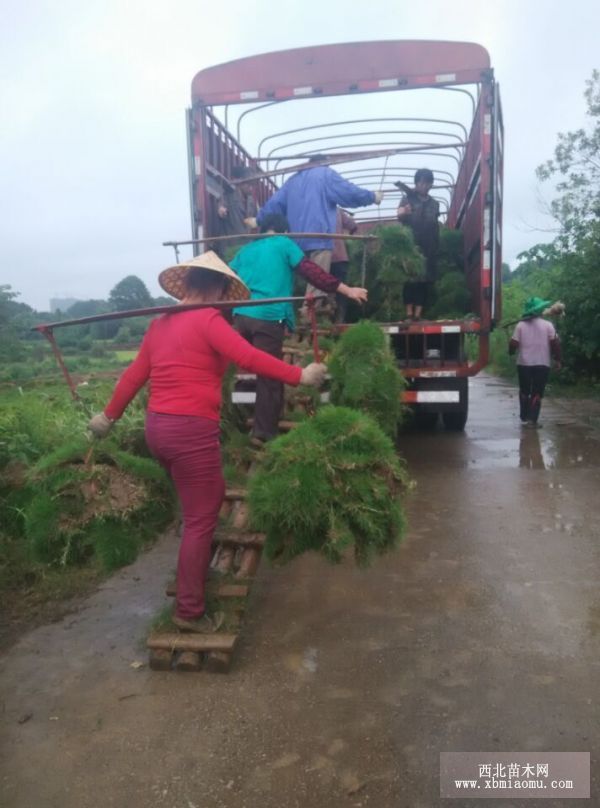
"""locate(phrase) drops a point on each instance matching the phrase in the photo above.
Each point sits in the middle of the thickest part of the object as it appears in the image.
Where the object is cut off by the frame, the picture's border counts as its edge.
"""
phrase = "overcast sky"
(92, 138)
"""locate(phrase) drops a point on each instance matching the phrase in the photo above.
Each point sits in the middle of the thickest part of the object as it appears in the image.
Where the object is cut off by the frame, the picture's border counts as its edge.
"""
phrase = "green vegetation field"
(71, 509)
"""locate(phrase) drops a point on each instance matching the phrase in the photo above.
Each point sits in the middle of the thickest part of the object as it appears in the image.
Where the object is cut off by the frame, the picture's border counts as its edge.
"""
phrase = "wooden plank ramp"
(236, 556)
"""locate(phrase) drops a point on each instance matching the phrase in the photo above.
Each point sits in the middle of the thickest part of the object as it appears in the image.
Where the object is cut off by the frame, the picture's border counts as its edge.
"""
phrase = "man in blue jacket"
(309, 201)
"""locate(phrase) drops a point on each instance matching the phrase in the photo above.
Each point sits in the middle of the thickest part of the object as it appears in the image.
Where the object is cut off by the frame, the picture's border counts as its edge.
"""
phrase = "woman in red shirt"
(184, 357)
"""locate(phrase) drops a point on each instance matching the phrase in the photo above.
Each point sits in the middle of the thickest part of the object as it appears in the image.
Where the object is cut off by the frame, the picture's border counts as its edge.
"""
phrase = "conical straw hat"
(172, 280)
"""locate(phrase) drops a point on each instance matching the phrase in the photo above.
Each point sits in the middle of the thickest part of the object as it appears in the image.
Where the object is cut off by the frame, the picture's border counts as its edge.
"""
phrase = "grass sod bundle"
(331, 484)
(391, 261)
(395, 259)
(103, 509)
(450, 297)
(364, 375)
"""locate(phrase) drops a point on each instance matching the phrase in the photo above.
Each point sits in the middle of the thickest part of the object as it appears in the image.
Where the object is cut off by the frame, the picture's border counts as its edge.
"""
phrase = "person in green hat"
(536, 342)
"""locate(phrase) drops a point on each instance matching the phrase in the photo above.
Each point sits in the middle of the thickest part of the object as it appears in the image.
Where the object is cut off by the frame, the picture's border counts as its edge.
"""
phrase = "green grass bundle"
(331, 484)
(364, 375)
(452, 298)
(391, 261)
(105, 508)
(395, 259)
(451, 257)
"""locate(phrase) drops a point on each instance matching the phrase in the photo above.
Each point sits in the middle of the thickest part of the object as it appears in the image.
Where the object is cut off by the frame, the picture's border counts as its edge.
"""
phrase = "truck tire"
(455, 421)
(426, 420)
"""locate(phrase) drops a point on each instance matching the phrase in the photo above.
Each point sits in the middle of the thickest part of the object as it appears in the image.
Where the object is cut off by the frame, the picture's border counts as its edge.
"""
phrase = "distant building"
(62, 303)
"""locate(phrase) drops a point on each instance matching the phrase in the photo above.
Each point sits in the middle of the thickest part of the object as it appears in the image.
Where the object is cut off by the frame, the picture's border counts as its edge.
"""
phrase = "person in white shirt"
(536, 342)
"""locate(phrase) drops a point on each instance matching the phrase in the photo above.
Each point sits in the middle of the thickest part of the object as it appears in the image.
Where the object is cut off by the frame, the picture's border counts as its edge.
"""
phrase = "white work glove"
(378, 197)
(313, 374)
(100, 425)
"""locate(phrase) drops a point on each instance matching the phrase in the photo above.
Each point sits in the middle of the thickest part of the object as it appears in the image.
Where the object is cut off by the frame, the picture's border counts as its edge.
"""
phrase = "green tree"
(576, 165)
(130, 293)
(87, 308)
(578, 286)
(15, 320)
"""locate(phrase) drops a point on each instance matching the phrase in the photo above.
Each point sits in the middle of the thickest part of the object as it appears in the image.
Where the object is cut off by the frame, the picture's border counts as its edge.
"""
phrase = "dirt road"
(481, 633)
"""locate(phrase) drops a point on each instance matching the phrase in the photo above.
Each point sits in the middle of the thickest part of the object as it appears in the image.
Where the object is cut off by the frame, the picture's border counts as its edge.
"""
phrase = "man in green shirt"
(267, 267)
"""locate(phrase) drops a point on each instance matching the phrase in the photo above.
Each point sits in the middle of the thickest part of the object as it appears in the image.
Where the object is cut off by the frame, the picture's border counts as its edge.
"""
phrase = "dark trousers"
(414, 293)
(532, 383)
(266, 335)
(339, 270)
(188, 447)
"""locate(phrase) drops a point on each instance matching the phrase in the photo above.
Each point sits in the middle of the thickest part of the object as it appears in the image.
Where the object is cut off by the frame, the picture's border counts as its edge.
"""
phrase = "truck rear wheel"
(455, 421)
(426, 420)
(455, 418)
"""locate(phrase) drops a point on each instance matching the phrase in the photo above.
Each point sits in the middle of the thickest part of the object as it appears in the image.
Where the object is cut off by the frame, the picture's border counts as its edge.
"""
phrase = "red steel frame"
(368, 67)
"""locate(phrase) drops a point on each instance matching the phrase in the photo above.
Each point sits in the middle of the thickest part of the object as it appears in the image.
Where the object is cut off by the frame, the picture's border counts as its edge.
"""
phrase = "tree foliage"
(576, 166)
(567, 269)
(130, 293)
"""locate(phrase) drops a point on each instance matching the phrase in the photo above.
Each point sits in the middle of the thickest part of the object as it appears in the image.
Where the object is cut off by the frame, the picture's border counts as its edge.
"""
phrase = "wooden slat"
(188, 661)
(249, 563)
(218, 662)
(284, 426)
(222, 591)
(188, 641)
(232, 591)
(235, 493)
(240, 539)
(160, 659)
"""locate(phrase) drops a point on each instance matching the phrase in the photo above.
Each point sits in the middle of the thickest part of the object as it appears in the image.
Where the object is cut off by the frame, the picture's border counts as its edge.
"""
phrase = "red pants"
(188, 447)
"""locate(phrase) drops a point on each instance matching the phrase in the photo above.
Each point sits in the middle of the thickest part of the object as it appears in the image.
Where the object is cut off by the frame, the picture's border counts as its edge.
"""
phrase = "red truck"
(295, 103)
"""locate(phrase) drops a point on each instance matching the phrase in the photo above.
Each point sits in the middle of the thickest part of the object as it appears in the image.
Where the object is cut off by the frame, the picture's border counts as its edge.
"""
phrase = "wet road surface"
(482, 633)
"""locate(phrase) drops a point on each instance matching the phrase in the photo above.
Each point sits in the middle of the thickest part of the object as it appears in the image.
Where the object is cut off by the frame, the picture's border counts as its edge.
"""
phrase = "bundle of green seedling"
(450, 298)
(364, 375)
(331, 485)
(391, 261)
(394, 259)
(82, 502)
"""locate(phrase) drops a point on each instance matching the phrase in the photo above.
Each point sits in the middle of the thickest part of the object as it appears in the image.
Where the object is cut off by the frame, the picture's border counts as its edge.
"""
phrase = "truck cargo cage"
(359, 96)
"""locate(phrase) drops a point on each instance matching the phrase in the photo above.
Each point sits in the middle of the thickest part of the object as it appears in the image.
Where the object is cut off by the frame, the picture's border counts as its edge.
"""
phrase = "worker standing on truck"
(185, 355)
(267, 267)
(236, 208)
(309, 201)
(536, 342)
(420, 212)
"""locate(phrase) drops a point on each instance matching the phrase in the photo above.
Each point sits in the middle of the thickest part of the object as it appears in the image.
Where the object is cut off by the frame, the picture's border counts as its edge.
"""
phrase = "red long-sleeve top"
(184, 356)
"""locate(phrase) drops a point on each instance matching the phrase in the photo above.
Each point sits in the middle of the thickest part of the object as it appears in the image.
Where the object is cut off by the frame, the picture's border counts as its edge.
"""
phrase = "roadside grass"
(71, 509)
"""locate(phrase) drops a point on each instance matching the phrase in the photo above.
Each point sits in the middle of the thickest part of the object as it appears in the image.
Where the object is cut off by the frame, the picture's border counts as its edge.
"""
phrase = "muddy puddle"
(536, 449)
